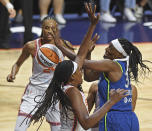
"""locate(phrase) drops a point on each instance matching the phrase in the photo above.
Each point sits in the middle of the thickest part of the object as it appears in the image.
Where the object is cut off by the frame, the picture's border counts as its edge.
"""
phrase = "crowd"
(132, 11)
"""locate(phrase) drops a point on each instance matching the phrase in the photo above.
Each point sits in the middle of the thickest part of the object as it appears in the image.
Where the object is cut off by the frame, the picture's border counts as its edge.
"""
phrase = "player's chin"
(50, 38)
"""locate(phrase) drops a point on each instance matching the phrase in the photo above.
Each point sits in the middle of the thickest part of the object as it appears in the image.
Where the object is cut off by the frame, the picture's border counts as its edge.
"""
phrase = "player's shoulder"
(30, 45)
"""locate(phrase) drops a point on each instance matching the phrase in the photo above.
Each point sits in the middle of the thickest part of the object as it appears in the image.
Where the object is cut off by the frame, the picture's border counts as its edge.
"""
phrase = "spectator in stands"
(5, 8)
(128, 14)
(139, 8)
(27, 12)
(58, 9)
(10, 8)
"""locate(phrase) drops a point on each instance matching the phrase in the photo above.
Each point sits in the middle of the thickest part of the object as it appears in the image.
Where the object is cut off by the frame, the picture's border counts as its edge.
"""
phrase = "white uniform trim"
(75, 67)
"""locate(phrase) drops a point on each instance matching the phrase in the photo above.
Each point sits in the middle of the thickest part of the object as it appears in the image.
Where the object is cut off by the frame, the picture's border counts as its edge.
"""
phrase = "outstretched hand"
(92, 42)
(91, 13)
(117, 95)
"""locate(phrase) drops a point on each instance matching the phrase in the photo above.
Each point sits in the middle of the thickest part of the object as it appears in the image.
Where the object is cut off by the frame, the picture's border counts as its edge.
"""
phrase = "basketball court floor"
(10, 93)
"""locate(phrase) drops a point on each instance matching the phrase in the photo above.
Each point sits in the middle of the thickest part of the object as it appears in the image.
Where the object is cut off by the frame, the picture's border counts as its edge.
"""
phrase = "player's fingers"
(86, 7)
(96, 37)
(90, 8)
(94, 11)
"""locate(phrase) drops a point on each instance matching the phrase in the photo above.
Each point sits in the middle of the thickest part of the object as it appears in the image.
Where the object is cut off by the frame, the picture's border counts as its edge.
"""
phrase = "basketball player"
(65, 87)
(40, 78)
(93, 99)
(122, 62)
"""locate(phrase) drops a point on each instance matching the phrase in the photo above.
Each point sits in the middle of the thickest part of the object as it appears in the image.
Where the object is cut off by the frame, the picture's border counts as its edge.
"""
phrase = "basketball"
(49, 55)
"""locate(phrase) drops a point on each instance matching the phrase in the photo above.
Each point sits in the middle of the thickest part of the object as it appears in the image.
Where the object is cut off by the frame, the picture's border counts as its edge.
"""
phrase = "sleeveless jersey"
(71, 123)
(41, 76)
(120, 117)
(105, 85)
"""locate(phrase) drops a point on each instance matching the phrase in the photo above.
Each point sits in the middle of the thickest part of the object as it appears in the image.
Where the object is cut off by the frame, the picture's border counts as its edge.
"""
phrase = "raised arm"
(84, 48)
(85, 43)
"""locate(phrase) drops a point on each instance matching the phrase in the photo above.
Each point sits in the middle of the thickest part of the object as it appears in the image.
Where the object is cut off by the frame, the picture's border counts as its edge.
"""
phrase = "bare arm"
(106, 65)
(4, 2)
(91, 99)
(85, 43)
(15, 68)
(89, 74)
(81, 112)
(134, 97)
(9, 7)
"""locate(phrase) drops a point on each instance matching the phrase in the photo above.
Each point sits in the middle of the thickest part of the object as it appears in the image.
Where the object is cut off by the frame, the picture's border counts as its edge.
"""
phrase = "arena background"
(77, 22)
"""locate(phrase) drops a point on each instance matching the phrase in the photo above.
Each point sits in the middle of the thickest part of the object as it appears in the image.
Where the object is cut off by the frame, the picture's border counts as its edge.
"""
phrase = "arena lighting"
(35, 30)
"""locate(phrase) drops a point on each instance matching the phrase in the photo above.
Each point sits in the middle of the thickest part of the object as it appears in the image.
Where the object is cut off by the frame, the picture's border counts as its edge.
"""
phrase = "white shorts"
(28, 104)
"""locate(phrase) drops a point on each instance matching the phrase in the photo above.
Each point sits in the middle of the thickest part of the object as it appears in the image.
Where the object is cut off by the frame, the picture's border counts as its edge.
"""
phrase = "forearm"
(92, 120)
(6, 3)
(15, 70)
(87, 71)
(86, 40)
(67, 52)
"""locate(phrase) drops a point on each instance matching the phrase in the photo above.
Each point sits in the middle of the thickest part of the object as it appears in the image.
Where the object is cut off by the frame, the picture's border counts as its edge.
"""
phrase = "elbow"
(85, 126)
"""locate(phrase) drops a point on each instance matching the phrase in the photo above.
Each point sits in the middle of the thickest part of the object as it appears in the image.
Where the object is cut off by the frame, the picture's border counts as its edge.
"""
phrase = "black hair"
(136, 63)
(48, 18)
(54, 92)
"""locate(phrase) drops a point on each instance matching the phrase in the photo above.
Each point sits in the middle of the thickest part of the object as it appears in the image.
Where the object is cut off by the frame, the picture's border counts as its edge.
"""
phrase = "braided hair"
(54, 92)
(136, 64)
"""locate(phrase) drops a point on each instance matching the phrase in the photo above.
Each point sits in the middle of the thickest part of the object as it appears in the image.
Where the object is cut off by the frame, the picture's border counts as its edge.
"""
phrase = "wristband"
(9, 6)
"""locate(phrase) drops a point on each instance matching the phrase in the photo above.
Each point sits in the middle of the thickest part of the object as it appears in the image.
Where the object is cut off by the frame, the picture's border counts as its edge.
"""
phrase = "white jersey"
(39, 82)
(41, 76)
(71, 123)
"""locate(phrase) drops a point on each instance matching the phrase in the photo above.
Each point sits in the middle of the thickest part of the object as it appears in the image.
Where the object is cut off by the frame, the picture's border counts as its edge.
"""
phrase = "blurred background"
(117, 20)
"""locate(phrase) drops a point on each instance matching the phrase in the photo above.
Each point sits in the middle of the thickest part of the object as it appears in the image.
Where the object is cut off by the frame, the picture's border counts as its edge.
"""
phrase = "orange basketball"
(49, 55)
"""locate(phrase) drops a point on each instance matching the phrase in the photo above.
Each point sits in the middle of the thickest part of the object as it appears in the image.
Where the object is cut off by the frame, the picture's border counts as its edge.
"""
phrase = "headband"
(75, 65)
(118, 46)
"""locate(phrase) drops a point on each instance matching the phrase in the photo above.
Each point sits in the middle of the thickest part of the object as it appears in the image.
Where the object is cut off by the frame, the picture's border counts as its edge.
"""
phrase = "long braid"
(136, 65)
(54, 92)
